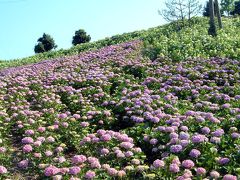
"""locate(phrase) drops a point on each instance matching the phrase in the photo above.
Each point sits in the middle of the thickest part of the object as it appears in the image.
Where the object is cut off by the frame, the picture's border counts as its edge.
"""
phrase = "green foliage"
(39, 48)
(80, 37)
(45, 43)
(212, 30)
(136, 71)
(195, 42)
(236, 10)
(227, 6)
(206, 10)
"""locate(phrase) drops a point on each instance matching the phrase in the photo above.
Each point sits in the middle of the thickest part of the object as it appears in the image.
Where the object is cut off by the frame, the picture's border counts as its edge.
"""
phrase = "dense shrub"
(236, 10)
(195, 42)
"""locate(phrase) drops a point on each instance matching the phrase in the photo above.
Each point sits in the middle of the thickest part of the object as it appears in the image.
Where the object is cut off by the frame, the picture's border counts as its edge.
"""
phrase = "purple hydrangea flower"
(23, 164)
(176, 148)
(62, 116)
(205, 130)
(158, 163)
(194, 153)
(198, 138)
(223, 161)
(184, 136)
(174, 168)
(74, 170)
(27, 140)
(153, 141)
(235, 135)
(218, 133)
(29, 132)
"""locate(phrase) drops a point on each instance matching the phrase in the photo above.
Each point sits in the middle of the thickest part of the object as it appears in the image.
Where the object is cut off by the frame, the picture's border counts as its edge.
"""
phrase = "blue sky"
(24, 21)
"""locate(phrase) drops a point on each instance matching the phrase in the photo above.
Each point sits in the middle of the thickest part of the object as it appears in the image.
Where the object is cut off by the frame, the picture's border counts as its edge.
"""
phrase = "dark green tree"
(214, 10)
(227, 6)
(206, 10)
(80, 37)
(39, 48)
(212, 28)
(45, 43)
(236, 10)
(218, 14)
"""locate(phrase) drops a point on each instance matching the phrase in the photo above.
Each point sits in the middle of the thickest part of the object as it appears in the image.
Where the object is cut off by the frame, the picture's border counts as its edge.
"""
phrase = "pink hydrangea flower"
(112, 171)
(3, 170)
(158, 163)
(105, 137)
(29, 132)
(27, 140)
(23, 164)
(188, 164)
(90, 174)
(201, 171)
(126, 145)
(51, 171)
(78, 159)
(229, 177)
(174, 168)
(27, 148)
(104, 151)
(74, 170)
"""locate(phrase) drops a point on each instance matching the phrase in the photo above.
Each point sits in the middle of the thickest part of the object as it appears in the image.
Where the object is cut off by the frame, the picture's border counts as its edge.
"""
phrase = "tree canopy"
(45, 43)
(80, 37)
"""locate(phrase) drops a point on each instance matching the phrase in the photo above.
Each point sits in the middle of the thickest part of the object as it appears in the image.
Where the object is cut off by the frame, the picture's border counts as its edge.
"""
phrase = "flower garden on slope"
(113, 114)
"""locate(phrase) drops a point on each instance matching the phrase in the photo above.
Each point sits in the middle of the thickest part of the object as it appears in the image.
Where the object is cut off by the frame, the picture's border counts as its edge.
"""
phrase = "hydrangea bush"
(113, 114)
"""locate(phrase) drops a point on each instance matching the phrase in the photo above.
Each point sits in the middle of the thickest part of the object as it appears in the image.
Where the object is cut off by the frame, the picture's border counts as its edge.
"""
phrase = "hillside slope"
(166, 40)
(112, 113)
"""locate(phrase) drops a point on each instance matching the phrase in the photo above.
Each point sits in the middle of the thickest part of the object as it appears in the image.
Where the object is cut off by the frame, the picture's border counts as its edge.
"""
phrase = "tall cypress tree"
(218, 13)
(212, 29)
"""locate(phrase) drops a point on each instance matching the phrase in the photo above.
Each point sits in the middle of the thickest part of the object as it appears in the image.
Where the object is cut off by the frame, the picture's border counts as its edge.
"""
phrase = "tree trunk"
(218, 13)
(189, 13)
(212, 29)
(181, 10)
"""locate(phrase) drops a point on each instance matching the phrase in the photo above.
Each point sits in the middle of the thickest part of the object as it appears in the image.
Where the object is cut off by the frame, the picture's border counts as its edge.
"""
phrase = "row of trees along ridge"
(182, 11)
